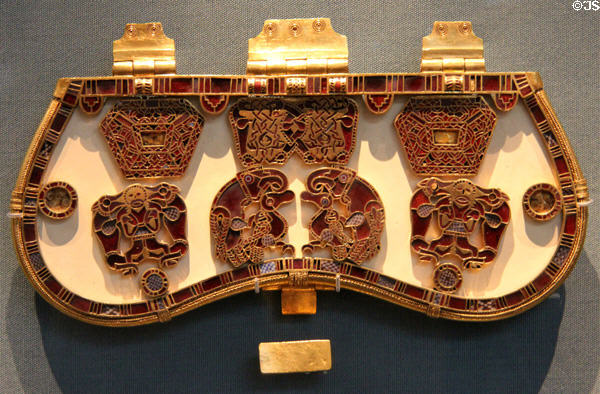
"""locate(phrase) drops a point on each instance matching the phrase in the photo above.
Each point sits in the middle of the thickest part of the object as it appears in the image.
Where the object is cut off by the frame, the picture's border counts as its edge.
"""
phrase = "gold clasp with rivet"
(452, 47)
(297, 46)
(143, 50)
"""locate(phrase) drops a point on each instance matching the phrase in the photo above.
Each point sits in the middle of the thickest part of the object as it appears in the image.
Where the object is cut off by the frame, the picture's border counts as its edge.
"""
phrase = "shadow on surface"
(376, 346)
(23, 334)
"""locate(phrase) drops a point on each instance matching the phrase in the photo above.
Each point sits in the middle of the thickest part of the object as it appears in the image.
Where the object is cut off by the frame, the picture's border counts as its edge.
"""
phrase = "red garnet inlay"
(323, 85)
(350, 218)
(220, 85)
(379, 103)
(525, 91)
(458, 212)
(70, 99)
(541, 281)
(375, 84)
(134, 225)
(457, 303)
(244, 217)
(214, 103)
(241, 273)
(211, 283)
(298, 264)
(58, 122)
(29, 232)
(561, 165)
(181, 85)
(570, 224)
(491, 83)
(538, 115)
(106, 86)
(358, 272)
(53, 285)
(309, 85)
(414, 84)
(81, 303)
(182, 295)
(413, 291)
(514, 298)
(270, 86)
(36, 175)
(138, 309)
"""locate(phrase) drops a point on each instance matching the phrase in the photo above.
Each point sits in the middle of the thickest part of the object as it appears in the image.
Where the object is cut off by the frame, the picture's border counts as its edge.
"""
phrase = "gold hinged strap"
(298, 298)
(298, 301)
(297, 46)
(143, 50)
(452, 47)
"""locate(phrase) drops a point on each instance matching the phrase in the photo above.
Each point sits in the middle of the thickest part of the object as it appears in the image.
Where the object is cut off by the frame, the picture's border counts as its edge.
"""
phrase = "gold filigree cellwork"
(152, 137)
(350, 217)
(241, 237)
(460, 209)
(445, 135)
(138, 214)
(269, 131)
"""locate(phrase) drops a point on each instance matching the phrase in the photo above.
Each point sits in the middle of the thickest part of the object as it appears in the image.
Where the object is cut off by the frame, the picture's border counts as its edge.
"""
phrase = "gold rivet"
(270, 29)
(295, 29)
(319, 25)
(464, 28)
(442, 29)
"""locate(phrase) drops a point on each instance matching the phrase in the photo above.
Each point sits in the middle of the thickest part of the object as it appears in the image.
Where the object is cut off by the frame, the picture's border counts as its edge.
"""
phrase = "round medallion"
(57, 200)
(542, 202)
(447, 277)
(154, 282)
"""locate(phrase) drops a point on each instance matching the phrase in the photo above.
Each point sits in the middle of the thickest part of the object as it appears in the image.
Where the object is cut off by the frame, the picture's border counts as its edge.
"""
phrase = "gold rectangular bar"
(295, 356)
(298, 301)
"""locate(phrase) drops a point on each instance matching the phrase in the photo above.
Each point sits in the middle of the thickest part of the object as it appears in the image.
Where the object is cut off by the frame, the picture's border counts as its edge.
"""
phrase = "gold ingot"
(295, 356)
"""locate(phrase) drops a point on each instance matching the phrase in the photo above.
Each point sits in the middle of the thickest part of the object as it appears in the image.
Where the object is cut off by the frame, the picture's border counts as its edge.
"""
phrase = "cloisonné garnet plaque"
(146, 193)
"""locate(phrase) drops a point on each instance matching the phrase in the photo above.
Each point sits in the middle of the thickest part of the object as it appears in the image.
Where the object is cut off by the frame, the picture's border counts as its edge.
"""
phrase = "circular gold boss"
(447, 277)
(154, 282)
(542, 202)
(57, 200)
